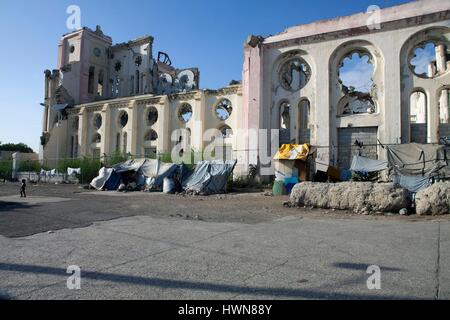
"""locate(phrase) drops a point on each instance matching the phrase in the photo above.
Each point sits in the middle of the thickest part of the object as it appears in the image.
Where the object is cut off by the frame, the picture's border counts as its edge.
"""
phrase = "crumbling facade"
(106, 98)
(346, 85)
(301, 82)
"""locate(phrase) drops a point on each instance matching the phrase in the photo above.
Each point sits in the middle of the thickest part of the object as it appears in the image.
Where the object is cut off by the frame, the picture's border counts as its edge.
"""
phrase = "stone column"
(443, 107)
(164, 127)
(83, 132)
(198, 124)
(441, 64)
(132, 128)
(105, 130)
(432, 118)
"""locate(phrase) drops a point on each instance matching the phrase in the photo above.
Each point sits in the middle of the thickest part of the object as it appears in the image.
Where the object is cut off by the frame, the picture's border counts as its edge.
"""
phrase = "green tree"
(17, 147)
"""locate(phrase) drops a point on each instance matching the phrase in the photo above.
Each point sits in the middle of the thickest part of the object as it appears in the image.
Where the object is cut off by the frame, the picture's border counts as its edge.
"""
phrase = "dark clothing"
(22, 190)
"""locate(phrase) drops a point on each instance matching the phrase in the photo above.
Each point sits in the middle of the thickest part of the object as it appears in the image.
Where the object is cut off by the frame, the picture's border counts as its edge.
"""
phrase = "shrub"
(89, 167)
(5, 169)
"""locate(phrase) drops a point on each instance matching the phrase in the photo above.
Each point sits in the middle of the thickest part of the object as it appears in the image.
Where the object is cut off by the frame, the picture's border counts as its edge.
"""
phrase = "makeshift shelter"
(414, 159)
(209, 177)
(414, 166)
(148, 173)
(363, 164)
(292, 161)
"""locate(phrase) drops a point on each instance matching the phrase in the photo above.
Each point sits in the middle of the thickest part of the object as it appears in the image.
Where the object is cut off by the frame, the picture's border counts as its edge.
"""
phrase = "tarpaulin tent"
(416, 159)
(148, 172)
(363, 164)
(209, 177)
(107, 179)
(414, 164)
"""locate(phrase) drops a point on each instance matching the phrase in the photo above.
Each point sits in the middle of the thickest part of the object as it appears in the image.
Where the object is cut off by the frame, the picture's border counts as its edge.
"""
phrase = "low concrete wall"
(360, 197)
(35, 177)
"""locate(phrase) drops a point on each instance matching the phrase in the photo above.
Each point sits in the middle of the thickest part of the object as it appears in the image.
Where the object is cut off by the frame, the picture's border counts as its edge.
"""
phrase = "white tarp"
(103, 175)
(363, 164)
(150, 172)
(71, 171)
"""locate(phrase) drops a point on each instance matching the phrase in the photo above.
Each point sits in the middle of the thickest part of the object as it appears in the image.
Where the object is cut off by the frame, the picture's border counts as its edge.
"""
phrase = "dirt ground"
(54, 207)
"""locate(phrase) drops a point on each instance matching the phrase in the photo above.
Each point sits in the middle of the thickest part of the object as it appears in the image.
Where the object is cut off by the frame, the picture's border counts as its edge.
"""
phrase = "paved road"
(294, 257)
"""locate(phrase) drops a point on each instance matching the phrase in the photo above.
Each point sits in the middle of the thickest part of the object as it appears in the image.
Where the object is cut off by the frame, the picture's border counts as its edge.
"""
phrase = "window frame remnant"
(152, 115)
(123, 119)
(286, 73)
(225, 105)
(188, 109)
(354, 100)
(98, 121)
(433, 65)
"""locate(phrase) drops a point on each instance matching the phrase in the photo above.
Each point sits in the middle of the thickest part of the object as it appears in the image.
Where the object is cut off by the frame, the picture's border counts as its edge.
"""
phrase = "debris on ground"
(359, 197)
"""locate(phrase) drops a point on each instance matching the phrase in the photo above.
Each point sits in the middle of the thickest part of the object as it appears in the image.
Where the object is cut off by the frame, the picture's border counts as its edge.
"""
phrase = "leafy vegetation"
(16, 147)
(5, 169)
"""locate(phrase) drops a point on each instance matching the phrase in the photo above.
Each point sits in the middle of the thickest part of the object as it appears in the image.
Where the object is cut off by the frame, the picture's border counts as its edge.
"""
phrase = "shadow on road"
(10, 205)
(277, 292)
(361, 266)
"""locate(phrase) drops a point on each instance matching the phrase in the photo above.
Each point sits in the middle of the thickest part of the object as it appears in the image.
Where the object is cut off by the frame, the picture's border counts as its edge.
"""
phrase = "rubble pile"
(434, 200)
(359, 197)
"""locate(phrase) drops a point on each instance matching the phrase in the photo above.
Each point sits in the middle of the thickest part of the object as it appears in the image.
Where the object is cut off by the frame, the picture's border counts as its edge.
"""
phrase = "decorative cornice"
(236, 89)
(152, 101)
(184, 96)
(120, 104)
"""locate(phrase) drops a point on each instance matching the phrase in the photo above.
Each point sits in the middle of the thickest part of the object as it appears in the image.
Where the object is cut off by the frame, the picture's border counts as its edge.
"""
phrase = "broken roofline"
(135, 42)
(391, 14)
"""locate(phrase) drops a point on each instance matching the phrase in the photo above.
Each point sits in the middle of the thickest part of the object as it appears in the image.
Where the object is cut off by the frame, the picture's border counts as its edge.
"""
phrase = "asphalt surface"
(222, 247)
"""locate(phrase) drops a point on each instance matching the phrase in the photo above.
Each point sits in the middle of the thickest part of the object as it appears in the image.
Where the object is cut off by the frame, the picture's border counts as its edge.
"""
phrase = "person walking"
(23, 186)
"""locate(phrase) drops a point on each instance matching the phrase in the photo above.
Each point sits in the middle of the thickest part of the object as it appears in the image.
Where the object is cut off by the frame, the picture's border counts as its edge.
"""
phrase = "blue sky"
(206, 34)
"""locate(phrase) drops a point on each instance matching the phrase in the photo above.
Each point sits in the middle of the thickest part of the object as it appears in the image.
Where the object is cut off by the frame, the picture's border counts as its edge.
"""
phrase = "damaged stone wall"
(434, 200)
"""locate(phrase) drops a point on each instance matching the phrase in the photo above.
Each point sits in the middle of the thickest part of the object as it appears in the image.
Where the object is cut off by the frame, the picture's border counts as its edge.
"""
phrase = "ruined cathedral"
(329, 83)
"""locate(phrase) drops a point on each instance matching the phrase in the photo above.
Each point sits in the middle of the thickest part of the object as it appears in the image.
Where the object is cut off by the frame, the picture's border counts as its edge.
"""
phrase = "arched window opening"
(123, 119)
(100, 83)
(185, 112)
(223, 109)
(75, 124)
(355, 75)
(418, 117)
(91, 80)
(285, 117)
(429, 59)
(226, 132)
(151, 135)
(97, 138)
(285, 122)
(118, 142)
(294, 74)
(444, 113)
(152, 116)
(444, 106)
(75, 147)
(303, 121)
(98, 121)
(137, 81)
